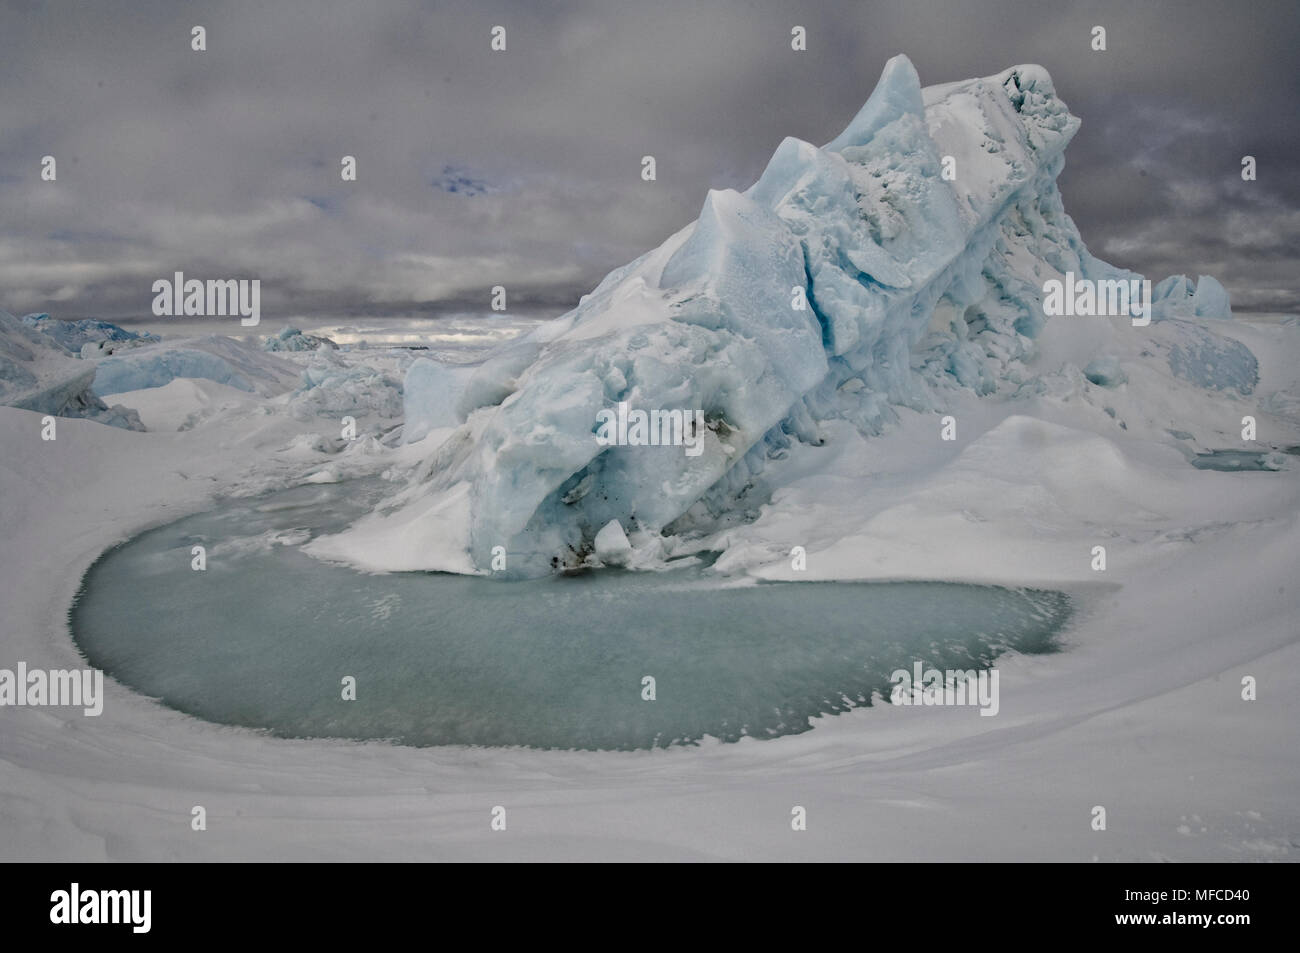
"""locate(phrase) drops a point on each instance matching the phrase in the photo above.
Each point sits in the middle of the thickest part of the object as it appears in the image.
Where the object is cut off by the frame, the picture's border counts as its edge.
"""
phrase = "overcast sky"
(523, 168)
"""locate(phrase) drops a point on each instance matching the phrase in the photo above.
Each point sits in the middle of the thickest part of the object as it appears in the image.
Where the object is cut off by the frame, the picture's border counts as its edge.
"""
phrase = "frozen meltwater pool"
(264, 637)
(1233, 461)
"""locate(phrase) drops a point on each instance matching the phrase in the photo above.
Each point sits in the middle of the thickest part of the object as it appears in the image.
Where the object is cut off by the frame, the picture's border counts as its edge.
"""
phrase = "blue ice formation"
(429, 394)
(292, 339)
(37, 373)
(1179, 297)
(1210, 360)
(228, 361)
(329, 387)
(74, 335)
(903, 259)
(155, 369)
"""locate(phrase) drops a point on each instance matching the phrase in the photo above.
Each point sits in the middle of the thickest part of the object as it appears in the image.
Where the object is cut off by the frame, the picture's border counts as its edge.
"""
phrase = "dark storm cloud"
(523, 168)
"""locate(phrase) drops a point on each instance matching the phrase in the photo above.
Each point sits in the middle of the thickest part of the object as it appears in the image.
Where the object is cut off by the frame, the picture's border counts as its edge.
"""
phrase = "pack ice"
(39, 373)
(915, 283)
(89, 336)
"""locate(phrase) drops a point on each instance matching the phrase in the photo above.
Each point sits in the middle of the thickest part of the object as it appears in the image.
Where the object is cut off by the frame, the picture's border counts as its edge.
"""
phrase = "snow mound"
(901, 262)
(1013, 504)
(180, 404)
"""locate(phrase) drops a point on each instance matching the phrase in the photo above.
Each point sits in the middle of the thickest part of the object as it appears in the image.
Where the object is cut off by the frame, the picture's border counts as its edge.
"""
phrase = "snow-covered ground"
(826, 432)
(1141, 714)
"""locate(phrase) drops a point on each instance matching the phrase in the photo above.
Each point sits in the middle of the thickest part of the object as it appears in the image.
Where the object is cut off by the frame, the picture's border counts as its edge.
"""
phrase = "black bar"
(328, 903)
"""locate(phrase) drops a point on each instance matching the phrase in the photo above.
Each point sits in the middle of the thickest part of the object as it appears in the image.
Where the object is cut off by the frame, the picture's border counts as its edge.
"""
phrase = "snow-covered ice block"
(93, 350)
(292, 339)
(159, 368)
(1179, 297)
(235, 363)
(612, 546)
(429, 397)
(37, 373)
(335, 389)
(1211, 299)
(76, 335)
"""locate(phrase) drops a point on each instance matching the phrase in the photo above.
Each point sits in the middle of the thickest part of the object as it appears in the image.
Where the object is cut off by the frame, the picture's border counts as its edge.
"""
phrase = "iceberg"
(902, 260)
(1179, 297)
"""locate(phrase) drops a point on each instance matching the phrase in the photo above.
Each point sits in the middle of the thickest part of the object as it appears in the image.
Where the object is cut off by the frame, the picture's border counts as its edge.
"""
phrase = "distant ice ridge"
(38, 373)
(224, 360)
(88, 333)
(1180, 297)
(915, 285)
(292, 339)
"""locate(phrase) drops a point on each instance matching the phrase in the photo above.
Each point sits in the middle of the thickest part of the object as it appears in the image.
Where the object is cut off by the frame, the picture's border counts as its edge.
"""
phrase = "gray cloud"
(226, 162)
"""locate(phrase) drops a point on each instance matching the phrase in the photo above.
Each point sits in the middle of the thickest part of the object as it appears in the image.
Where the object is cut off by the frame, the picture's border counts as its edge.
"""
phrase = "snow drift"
(849, 280)
(292, 339)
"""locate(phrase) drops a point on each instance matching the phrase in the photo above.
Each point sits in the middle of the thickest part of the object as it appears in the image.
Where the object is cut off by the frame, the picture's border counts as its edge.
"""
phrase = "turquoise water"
(265, 636)
(1231, 461)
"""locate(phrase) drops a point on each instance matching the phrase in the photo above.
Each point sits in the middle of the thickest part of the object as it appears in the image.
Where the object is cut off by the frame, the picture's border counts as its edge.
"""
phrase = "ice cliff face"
(915, 281)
